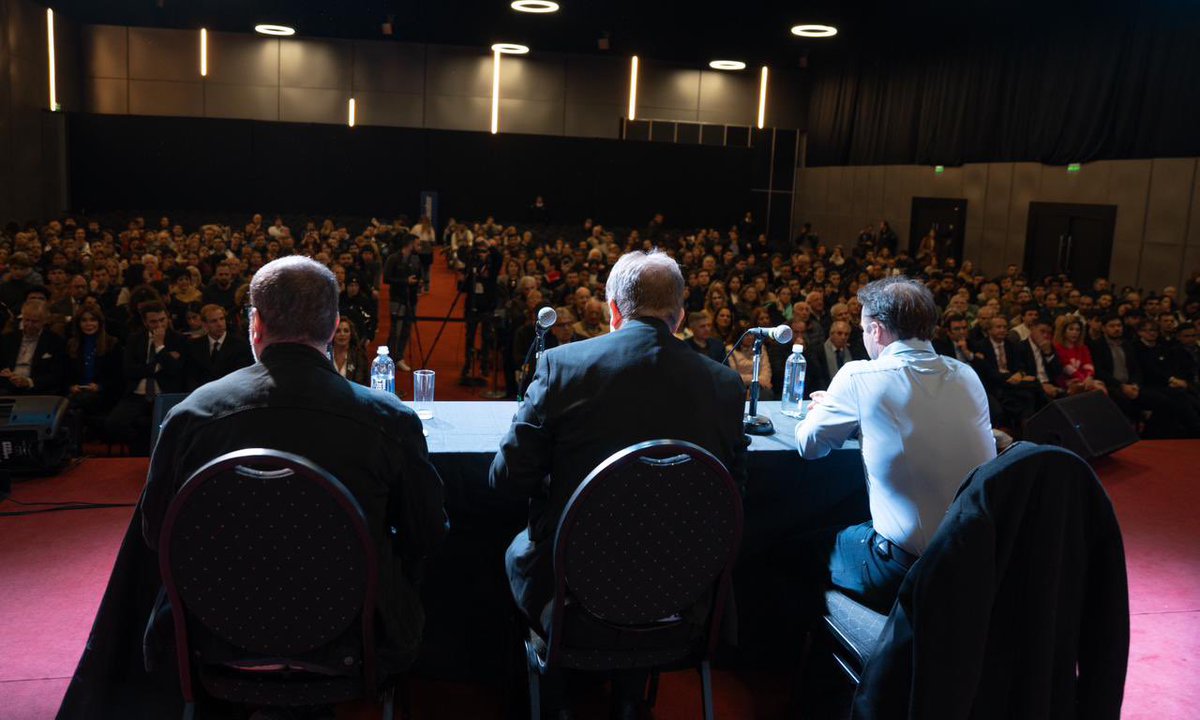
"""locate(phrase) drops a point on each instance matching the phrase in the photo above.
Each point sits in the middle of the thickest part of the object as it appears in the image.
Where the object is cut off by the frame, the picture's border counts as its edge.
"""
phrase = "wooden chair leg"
(706, 689)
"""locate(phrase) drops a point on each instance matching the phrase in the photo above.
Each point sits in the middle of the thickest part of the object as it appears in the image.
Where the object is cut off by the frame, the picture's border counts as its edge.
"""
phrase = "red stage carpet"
(55, 567)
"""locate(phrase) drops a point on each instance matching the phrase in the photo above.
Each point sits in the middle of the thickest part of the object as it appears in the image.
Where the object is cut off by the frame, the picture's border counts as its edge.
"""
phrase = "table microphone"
(781, 334)
(547, 317)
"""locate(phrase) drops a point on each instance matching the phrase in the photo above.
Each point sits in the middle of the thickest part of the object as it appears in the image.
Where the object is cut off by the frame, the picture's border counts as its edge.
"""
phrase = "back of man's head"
(646, 285)
(297, 301)
(905, 307)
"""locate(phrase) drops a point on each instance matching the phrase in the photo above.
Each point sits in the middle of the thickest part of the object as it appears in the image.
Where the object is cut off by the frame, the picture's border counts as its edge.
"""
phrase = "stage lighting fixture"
(50, 53)
(278, 30)
(814, 31)
(539, 7)
(510, 49)
(203, 52)
(727, 65)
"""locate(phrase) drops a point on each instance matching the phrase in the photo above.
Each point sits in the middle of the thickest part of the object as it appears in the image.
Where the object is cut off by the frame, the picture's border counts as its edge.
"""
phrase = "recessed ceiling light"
(814, 31)
(727, 65)
(510, 49)
(535, 6)
(280, 30)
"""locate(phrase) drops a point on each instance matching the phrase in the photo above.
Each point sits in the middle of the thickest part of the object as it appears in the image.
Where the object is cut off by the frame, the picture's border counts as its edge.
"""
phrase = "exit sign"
(1074, 168)
(939, 169)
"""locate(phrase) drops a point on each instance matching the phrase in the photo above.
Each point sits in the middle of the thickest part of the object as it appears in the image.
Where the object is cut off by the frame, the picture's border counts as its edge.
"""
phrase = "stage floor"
(55, 567)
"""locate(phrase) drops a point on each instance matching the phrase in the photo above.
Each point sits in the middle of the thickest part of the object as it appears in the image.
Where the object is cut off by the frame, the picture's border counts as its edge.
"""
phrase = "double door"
(1069, 239)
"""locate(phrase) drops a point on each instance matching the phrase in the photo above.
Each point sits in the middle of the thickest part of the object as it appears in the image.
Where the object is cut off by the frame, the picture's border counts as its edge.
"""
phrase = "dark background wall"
(180, 164)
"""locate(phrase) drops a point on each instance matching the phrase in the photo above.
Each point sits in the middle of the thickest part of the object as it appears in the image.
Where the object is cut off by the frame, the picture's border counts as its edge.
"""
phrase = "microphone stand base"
(757, 425)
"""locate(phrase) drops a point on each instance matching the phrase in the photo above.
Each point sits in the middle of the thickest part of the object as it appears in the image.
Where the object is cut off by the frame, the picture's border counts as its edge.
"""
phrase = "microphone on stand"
(546, 318)
(753, 423)
(781, 334)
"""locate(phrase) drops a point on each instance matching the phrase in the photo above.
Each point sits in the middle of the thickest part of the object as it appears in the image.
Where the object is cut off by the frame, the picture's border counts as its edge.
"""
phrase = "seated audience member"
(1078, 373)
(923, 420)
(32, 359)
(742, 360)
(1041, 360)
(702, 340)
(93, 364)
(1001, 367)
(1186, 356)
(360, 307)
(17, 281)
(563, 330)
(349, 358)
(183, 295)
(953, 341)
(1118, 367)
(593, 323)
(293, 400)
(216, 353)
(578, 412)
(221, 288)
(154, 362)
(831, 356)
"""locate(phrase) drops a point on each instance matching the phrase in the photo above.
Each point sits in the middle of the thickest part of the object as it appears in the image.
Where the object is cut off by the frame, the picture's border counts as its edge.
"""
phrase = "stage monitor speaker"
(34, 434)
(1089, 424)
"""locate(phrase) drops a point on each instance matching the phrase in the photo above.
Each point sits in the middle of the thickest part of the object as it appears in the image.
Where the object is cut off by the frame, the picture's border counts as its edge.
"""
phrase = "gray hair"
(646, 285)
(297, 299)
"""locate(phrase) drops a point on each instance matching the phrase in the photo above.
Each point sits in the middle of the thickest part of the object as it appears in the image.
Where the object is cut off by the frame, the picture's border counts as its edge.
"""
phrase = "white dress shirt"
(925, 426)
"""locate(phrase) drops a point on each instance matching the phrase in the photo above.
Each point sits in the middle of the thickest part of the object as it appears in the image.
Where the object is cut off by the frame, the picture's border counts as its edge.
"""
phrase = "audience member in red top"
(1078, 372)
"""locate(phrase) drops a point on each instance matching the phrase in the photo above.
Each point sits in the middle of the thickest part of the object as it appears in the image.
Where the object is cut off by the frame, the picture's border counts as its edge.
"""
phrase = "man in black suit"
(216, 353)
(590, 399)
(1001, 367)
(153, 364)
(702, 340)
(1040, 359)
(294, 400)
(831, 355)
(32, 359)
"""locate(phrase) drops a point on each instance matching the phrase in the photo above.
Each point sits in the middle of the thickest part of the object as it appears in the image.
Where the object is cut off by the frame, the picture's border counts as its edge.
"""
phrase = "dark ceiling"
(685, 32)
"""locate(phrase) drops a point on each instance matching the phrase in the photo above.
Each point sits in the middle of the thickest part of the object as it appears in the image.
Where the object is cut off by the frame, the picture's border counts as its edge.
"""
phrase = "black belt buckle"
(891, 551)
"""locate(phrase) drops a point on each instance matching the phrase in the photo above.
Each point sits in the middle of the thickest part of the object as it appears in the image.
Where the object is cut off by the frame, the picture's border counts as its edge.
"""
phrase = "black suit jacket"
(593, 398)
(988, 368)
(168, 368)
(819, 375)
(1050, 363)
(296, 402)
(201, 368)
(1102, 359)
(48, 369)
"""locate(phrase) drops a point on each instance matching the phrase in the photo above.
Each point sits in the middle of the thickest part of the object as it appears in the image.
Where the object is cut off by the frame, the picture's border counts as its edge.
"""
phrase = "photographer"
(402, 273)
(478, 267)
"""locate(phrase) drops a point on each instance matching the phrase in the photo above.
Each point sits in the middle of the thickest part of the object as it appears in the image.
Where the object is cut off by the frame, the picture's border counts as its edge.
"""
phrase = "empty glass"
(423, 381)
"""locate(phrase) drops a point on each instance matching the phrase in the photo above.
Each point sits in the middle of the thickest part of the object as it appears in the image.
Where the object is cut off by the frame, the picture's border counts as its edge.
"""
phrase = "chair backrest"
(647, 534)
(271, 554)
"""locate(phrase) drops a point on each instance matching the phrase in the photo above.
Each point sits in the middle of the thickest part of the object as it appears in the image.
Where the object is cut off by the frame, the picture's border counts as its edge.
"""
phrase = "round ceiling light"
(727, 65)
(280, 30)
(814, 31)
(510, 49)
(535, 6)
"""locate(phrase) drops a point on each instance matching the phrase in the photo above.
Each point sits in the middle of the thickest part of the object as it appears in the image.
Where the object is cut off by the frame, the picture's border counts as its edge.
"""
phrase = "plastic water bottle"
(792, 401)
(383, 372)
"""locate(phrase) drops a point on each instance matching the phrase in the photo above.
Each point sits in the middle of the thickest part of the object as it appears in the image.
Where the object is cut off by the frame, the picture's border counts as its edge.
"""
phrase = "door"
(1069, 239)
(946, 218)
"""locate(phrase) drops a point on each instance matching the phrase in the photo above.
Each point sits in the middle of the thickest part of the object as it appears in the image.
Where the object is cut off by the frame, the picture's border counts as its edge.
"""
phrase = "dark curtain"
(1033, 85)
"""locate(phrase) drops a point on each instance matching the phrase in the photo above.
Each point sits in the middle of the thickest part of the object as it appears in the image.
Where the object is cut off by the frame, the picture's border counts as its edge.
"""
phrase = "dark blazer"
(1023, 585)
(168, 367)
(1050, 363)
(107, 373)
(989, 366)
(234, 354)
(819, 376)
(48, 369)
(1102, 359)
(592, 398)
(294, 401)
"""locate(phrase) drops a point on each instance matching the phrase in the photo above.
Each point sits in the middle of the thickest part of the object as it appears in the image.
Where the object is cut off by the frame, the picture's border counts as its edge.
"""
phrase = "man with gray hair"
(924, 425)
(591, 398)
(292, 399)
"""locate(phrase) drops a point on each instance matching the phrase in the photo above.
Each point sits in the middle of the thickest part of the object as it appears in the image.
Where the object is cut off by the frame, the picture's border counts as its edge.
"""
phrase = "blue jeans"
(867, 567)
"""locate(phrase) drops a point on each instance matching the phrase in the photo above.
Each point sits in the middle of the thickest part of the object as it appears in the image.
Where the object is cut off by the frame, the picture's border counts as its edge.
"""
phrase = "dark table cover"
(469, 632)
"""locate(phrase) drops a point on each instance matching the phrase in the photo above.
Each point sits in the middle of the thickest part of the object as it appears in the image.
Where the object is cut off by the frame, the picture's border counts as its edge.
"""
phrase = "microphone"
(781, 334)
(546, 318)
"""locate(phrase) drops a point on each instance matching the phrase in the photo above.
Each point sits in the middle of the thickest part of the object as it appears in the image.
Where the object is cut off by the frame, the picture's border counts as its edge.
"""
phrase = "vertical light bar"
(762, 98)
(633, 63)
(495, 91)
(203, 52)
(50, 50)
(350, 119)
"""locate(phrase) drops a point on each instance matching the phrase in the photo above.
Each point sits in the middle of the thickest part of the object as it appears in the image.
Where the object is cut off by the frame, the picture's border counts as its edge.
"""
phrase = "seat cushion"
(855, 626)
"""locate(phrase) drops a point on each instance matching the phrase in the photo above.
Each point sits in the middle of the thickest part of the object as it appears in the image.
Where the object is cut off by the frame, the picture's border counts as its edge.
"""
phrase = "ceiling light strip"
(350, 114)
(535, 6)
(203, 52)
(762, 98)
(50, 52)
(633, 78)
(278, 30)
(814, 31)
(496, 53)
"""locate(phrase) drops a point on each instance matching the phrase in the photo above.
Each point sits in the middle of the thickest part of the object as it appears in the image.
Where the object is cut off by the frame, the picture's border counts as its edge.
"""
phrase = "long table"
(469, 629)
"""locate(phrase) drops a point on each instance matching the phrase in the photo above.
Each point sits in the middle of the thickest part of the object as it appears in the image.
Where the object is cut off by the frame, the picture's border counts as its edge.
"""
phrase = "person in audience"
(154, 363)
(1041, 360)
(577, 413)
(742, 360)
(1078, 373)
(1007, 378)
(936, 404)
(360, 307)
(93, 365)
(702, 340)
(724, 327)
(293, 400)
(183, 294)
(218, 352)
(32, 358)
(563, 330)
(832, 355)
(349, 358)
(402, 273)
(593, 323)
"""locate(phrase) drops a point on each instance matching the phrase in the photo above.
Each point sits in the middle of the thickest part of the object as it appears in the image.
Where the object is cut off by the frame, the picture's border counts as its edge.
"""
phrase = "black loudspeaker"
(34, 434)
(1088, 424)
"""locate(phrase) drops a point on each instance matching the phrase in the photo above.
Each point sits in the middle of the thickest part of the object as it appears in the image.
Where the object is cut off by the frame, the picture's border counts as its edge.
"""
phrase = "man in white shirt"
(923, 419)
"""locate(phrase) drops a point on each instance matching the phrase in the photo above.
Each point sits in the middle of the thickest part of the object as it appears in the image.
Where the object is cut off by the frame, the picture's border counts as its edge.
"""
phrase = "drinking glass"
(423, 381)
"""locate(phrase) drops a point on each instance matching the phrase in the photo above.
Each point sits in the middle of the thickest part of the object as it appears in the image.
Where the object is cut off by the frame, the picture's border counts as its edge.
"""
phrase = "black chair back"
(652, 531)
(271, 554)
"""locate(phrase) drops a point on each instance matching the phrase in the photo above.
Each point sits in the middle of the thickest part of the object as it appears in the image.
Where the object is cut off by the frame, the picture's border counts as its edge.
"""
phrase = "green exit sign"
(939, 169)
(1074, 168)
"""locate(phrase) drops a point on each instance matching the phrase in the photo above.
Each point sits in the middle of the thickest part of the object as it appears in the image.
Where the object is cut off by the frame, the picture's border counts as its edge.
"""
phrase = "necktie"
(212, 356)
(1001, 360)
(151, 385)
(841, 358)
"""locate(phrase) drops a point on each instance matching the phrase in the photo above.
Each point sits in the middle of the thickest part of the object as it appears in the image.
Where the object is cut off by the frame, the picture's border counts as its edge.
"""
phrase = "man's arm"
(420, 516)
(831, 419)
(524, 459)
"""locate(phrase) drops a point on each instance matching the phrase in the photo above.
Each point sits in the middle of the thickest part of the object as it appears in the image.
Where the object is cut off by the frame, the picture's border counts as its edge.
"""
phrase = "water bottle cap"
(383, 350)
(797, 348)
